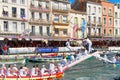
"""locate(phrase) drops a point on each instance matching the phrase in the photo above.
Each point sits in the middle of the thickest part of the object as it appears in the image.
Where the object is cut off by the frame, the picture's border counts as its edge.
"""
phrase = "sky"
(71, 1)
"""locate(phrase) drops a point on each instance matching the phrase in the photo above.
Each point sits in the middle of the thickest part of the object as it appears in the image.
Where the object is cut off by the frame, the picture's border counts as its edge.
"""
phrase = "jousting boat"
(43, 77)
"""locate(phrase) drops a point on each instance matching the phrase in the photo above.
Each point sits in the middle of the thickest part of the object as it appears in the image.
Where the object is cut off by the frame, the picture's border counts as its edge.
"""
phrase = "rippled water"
(92, 69)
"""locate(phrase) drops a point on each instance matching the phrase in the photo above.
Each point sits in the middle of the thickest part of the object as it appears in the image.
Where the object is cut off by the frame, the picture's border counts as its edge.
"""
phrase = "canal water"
(90, 69)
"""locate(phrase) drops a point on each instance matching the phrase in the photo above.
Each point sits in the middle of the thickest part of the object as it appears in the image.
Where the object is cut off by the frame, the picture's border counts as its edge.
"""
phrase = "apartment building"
(13, 17)
(117, 20)
(108, 19)
(60, 14)
(94, 19)
(76, 22)
(40, 18)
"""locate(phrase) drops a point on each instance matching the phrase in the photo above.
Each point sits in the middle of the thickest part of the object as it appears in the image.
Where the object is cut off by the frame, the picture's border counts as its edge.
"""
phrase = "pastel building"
(76, 22)
(13, 17)
(94, 19)
(40, 18)
(60, 19)
(108, 19)
(117, 20)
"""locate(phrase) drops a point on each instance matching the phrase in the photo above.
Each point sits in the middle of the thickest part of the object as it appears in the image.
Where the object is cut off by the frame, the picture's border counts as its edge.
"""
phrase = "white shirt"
(88, 41)
(9, 72)
(33, 72)
(52, 67)
(68, 44)
(43, 70)
(15, 68)
(22, 72)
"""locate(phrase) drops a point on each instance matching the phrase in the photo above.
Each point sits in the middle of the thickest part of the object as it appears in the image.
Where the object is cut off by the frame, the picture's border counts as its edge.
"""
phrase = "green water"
(92, 69)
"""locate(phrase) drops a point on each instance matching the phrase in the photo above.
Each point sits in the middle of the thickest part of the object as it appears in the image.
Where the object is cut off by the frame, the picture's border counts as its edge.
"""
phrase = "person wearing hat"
(44, 70)
(52, 67)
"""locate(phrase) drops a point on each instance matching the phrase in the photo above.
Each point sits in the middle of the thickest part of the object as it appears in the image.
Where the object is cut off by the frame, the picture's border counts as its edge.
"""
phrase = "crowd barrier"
(40, 50)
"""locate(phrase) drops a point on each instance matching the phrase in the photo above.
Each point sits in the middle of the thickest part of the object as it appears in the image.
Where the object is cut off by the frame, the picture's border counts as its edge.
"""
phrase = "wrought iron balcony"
(40, 21)
(39, 9)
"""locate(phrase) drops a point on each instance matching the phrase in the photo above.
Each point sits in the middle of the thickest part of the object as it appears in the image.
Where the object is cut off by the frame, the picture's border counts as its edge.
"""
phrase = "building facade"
(40, 18)
(117, 20)
(76, 21)
(94, 19)
(108, 19)
(13, 17)
(60, 18)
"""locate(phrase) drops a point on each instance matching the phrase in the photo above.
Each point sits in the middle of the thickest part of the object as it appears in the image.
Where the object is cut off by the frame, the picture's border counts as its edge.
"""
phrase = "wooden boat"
(44, 77)
(44, 59)
(12, 60)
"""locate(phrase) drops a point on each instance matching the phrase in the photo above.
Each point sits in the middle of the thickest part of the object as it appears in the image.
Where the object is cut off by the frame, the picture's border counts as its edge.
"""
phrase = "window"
(13, 1)
(110, 11)
(48, 31)
(89, 9)
(94, 19)
(99, 19)
(116, 23)
(64, 7)
(99, 10)
(47, 16)
(104, 11)
(39, 4)
(5, 26)
(40, 15)
(94, 9)
(65, 19)
(47, 5)
(65, 31)
(14, 26)
(89, 18)
(116, 31)
(56, 31)
(22, 27)
(110, 21)
(14, 12)
(5, 11)
(41, 30)
(22, 1)
(22, 12)
(56, 5)
(110, 31)
(33, 30)
(5, 1)
(56, 18)
(116, 15)
(104, 31)
(32, 15)
(105, 21)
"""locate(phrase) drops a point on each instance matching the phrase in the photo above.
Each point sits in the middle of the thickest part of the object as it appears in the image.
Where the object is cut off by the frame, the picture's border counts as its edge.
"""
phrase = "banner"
(47, 50)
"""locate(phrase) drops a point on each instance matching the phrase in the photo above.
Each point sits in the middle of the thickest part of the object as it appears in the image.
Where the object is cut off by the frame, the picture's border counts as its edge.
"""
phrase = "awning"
(62, 27)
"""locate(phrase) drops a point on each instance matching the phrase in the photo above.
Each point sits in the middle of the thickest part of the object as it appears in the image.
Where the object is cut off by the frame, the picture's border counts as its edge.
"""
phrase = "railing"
(40, 21)
(39, 9)
(110, 14)
(55, 8)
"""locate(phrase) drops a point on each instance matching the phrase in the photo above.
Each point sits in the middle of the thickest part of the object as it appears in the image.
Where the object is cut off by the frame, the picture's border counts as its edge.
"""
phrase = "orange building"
(107, 19)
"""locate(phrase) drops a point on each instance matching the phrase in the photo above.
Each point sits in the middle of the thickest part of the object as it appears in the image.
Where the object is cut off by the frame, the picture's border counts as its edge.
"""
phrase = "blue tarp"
(47, 50)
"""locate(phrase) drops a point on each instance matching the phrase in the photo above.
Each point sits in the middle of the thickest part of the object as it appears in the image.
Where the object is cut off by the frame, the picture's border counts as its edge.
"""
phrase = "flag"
(23, 17)
(84, 25)
(74, 30)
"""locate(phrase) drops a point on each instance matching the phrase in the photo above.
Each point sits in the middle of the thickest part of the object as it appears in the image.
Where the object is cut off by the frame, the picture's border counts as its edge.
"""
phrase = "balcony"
(99, 24)
(104, 14)
(61, 35)
(7, 16)
(39, 9)
(60, 9)
(40, 21)
(60, 23)
(95, 35)
(110, 14)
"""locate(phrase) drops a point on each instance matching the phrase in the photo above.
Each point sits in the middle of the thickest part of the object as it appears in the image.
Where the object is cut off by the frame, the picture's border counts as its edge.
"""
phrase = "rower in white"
(44, 70)
(52, 68)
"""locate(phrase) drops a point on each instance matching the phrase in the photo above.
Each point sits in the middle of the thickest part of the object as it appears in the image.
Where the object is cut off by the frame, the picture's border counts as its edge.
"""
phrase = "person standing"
(89, 44)
(68, 45)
